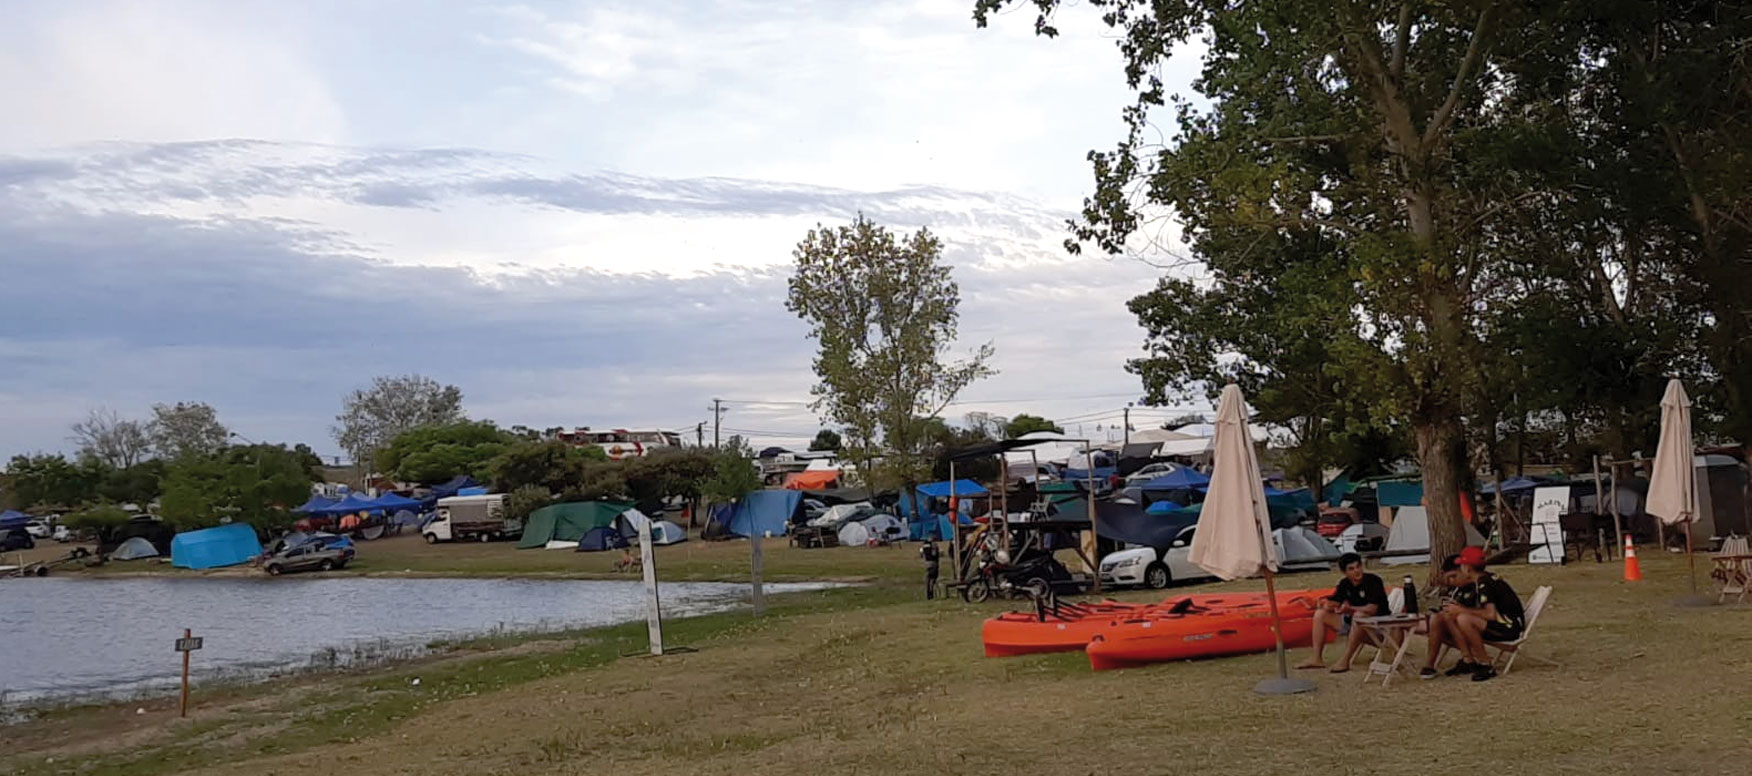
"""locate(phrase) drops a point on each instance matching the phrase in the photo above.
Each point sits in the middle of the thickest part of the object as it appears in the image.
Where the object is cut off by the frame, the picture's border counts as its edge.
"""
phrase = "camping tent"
(134, 549)
(13, 519)
(607, 537)
(813, 479)
(1183, 478)
(451, 488)
(315, 505)
(347, 505)
(1128, 522)
(1362, 537)
(568, 522)
(766, 513)
(665, 532)
(225, 545)
(1299, 546)
(1411, 532)
(880, 526)
(390, 502)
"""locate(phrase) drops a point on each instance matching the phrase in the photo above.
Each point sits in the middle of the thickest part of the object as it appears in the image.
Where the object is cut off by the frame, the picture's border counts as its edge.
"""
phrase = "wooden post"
(1600, 492)
(653, 608)
(187, 635)
(1004, 500)
(1617, 522)
(954, 528)
(754, 543)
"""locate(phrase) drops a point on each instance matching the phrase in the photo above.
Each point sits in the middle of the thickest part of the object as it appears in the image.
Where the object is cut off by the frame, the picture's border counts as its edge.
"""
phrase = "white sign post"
(1546, 533)
(653, 609)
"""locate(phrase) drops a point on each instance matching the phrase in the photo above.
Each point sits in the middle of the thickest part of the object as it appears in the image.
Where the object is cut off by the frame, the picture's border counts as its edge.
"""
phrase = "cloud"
(279, 276)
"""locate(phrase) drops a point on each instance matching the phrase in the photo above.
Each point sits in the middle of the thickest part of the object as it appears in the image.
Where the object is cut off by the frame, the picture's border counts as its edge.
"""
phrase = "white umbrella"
(1234, 528)
(1673, 483)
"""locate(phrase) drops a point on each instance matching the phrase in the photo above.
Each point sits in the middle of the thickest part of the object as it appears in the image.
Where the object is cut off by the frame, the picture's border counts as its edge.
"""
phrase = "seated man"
(1483, 609)
(1359, 594)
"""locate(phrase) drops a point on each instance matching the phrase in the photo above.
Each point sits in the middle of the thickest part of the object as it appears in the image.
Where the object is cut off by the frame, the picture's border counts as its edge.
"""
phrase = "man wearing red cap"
(1484, 609)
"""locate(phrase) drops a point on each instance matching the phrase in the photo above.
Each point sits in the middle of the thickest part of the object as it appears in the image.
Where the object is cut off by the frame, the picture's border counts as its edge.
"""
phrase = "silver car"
(322, 556)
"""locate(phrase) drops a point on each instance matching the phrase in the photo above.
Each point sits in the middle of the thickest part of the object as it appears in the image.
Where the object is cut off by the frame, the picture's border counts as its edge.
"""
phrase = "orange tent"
(811, 480)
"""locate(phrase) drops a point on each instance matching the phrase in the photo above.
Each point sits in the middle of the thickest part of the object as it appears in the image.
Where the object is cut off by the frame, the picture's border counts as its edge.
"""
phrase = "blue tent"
(962, 488)
(453, 487)
(934, 527)
(766, 512)
(601, 538)
(1399, 493)
(226, 545)
(1163, 507)
(390, 502)
(13, 519)
(1183, 478)
(315, 505)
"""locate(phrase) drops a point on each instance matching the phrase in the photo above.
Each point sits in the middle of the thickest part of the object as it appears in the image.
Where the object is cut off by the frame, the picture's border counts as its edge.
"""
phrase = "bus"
(620, 443)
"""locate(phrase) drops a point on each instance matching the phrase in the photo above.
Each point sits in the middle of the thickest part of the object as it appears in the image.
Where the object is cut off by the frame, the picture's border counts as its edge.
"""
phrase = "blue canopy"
(962, 488)
(1163, 507)
(13, 519)
(934, 527)
(226, 545)
(352, 503)
(1183, 478)
(766, 512)
(453, 486)
(1512, 485)
(390, 502)
(1084, 475)
(315, 505)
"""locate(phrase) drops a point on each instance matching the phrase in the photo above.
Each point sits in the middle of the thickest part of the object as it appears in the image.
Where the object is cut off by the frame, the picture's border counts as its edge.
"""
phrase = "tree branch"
(1474, 52)
(1401, 42)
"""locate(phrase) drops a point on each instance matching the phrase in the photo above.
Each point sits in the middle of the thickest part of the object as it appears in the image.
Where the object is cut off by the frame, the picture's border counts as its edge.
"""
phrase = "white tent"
(854, 535)
(1048, 448)
(665, 532)
(556, 544)
(134, 549)
(1157, 435)
(884, 527)
(839, 513)
(1190, 447)
(1372, 536)
(1411, 532)
(1300, 546)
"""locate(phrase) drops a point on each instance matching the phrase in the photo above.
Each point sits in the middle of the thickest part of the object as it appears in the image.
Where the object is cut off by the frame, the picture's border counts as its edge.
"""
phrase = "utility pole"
(1127, 442)
(700, 434)
(717, 419)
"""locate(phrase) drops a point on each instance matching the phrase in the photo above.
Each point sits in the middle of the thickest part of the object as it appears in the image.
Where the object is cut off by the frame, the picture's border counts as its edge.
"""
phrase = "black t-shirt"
(1491, 589)
(1370, 591)
(930, 553)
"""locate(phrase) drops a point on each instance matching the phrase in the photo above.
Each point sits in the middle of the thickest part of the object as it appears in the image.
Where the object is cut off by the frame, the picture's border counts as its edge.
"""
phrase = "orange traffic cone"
(1632, 569)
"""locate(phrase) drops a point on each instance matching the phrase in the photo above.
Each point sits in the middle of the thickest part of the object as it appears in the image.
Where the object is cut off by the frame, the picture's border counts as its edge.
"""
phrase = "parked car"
(37, 529)
(1333, 521)
(16, 539)
(1153, 568)
(322, 556)
(1148, 473)
(61, 534)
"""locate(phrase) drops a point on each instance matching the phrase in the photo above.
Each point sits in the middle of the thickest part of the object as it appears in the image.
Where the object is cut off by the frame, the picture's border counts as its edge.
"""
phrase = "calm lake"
(89, 637)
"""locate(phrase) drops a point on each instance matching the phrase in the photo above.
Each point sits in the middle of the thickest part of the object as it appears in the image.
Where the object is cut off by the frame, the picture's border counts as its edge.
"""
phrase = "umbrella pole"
(1283, 684)
(1694, 599)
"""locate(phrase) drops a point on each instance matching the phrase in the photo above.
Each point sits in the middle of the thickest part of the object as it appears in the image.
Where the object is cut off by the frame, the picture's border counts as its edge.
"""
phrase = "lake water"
(64, 637)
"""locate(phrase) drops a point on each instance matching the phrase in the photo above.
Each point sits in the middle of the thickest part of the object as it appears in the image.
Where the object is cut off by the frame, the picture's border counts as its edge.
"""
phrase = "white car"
(61, 534)
(1148, 473)
(37, 529)
(1156, 570)
(1151, 568)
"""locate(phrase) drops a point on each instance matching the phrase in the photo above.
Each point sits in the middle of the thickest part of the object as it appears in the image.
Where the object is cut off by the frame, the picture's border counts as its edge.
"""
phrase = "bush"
(526, 499)
(96, 521)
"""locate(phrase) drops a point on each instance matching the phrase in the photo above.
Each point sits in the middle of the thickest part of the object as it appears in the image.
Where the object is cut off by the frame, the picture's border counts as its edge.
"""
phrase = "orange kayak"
(1163, 637)
(1072, 626)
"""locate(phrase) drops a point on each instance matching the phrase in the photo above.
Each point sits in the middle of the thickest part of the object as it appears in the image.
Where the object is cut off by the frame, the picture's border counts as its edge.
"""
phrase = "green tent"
(568, 522)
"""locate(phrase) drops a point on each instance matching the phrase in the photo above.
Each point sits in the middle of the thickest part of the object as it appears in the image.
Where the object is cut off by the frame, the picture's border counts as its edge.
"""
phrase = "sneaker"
(1462, 668)
(1483, 674)
(1428, 673)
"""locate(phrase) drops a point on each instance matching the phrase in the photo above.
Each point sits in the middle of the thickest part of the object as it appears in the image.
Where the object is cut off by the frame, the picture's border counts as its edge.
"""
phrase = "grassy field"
(871, 680)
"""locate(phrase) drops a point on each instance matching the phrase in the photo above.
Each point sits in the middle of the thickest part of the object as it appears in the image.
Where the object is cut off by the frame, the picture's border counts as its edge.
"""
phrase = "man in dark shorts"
(1484, 608)
(1359, 594)
(931, 555)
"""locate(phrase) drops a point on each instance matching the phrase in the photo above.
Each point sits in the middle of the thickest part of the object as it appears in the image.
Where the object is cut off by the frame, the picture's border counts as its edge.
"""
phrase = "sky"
(580, 213)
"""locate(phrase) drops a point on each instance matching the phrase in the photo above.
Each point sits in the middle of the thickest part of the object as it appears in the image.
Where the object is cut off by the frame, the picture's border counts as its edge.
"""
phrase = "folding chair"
(1507, 651)
(1733, 569)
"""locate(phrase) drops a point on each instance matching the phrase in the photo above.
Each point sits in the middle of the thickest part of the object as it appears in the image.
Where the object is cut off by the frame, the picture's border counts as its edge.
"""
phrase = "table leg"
(1404, 639)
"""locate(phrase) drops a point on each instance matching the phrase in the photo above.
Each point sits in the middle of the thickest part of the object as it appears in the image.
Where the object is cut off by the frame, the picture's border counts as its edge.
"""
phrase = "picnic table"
(1391, 632)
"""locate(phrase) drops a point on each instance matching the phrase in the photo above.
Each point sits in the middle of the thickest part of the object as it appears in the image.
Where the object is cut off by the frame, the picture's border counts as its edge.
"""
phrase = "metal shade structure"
(1234, 536)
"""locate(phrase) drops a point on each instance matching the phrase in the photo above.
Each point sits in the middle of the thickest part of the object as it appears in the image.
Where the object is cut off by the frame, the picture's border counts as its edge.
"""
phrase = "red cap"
(1472, 556)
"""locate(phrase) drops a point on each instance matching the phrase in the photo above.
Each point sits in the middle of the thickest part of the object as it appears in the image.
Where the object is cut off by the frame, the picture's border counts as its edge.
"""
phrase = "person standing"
(931, 555)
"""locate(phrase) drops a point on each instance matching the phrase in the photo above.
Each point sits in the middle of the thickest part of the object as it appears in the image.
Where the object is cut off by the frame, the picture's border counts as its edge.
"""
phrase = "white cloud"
(155, 71)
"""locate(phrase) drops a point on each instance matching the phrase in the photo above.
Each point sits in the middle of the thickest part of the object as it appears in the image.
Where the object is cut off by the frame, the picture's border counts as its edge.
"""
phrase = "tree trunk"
(1440, 454)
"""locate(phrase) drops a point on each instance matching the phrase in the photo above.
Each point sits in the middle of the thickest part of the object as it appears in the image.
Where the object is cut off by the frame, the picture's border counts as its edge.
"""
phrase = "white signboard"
(1546, 533)
(653, 608)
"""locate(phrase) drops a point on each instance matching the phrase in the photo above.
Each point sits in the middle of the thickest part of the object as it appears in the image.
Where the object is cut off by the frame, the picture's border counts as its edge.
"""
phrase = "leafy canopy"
(434, 454)
(371, 417)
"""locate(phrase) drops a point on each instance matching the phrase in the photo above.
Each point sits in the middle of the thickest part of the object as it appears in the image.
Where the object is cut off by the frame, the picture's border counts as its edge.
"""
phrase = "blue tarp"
(1082, 476)
(962, 488)
(352, 503)
(1399, 493)
(1183, 478)
(1512, 485)
(315, 505)
(765, 512)
(226, 545)
(13, 519)
(1155, 526)
(1163, 507)
(936, 527)
(453, 487)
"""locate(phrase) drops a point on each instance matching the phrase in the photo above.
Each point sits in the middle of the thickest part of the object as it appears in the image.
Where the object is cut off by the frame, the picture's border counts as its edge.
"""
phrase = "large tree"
(187, 428)
(827, 440)
(106, 437)
(50, 482)
(1028, 424)
(882, 311)
(1349, 124)
(371, 417)
(437, 453)
(257, 484)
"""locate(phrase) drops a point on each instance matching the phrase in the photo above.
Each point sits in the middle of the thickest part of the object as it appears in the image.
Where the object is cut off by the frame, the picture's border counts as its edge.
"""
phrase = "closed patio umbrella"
(1234, 529)
(1673, 483)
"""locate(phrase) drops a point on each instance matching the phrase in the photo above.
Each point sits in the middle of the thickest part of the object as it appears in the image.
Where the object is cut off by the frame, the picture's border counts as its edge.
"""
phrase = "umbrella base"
(1284, 687)
(1693, 601)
